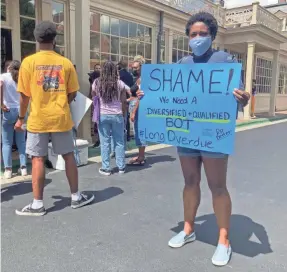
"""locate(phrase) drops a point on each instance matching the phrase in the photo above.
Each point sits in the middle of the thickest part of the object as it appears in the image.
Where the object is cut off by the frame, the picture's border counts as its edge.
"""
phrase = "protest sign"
(190, 105)
(79, 107)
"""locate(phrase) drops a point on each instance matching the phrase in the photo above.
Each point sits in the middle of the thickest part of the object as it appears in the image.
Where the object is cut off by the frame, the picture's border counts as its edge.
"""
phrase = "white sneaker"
(8, 174)
(24, 172)
(181, 239)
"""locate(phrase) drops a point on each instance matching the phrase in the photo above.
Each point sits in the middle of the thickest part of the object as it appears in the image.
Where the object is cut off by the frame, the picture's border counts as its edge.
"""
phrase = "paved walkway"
(134, 216)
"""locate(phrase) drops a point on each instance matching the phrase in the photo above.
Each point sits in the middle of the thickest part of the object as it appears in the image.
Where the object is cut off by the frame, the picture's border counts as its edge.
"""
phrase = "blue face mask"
(199, 45)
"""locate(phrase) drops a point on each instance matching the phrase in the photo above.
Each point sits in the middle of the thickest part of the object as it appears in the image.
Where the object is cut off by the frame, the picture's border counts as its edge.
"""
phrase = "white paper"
(79, 107)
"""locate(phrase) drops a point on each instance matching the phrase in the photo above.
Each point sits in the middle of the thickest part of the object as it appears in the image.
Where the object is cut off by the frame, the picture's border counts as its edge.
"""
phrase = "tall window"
(180, 47)
(3, 11)
(58, 10)
(282, 84)
(241, 59)
(162, 48)
(27, 25)
(263, 75)
(115, 39)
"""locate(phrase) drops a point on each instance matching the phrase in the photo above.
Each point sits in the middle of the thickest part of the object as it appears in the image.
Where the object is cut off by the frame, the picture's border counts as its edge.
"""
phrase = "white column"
(14, 17)
(249, 75)
(274, 83)
(82, 28)
(255, 7)
(72, 33)
(284, 24)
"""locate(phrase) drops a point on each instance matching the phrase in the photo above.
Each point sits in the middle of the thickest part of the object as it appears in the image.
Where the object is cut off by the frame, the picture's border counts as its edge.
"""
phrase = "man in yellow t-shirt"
(49, 82)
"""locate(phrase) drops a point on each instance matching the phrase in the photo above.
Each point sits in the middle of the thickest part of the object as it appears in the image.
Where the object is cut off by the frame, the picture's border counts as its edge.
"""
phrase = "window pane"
(115, 58)
(162, 42)
(95, 41)
(162, 55)
(140, 49)
(105, 43)
(174, 42)
(60, 50)
(132, 48)
(27, 49)
(180, 42)
(186, 44)
(124, 29)
(124, 47)
(58, 12)
(115, 45)
(115, 26)
(27, 8)
(141, 32)
(27, 27)
(3, 13)
(124, 58)
(104, 58)
(179, 55)
(94, 21)
(105, 24)
(94, 59)
(60, 39)
(147, 34)
(147, 51)
(132, 30)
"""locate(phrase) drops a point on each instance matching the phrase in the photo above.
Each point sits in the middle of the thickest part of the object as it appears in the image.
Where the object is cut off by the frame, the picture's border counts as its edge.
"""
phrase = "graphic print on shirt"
(50, 77)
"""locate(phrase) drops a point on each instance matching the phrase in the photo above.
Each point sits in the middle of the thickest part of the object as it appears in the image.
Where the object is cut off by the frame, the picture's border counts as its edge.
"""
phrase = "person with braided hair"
(112, 96)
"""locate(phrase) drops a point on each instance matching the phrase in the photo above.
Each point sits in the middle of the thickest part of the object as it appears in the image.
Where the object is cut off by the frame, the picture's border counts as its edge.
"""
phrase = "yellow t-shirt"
(47, 78)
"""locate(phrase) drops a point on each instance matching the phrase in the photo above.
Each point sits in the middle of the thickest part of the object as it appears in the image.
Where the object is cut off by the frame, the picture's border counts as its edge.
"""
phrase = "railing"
(230, 18)
(252, 15)
(193, 6)
(268, 19)
(238, 17)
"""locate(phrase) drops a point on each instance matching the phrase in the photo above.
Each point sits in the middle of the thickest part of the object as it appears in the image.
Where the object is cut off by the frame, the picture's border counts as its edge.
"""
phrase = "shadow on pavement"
(19, 188)
(242, 228)
(100, 196)
(150, 160)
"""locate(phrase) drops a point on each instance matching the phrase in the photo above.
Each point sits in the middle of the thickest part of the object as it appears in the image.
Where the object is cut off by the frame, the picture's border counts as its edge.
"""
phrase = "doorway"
(6, 47)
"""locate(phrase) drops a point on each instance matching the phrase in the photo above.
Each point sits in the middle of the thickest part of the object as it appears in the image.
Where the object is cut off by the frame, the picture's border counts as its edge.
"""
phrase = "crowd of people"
(49, 82)
(113, 90)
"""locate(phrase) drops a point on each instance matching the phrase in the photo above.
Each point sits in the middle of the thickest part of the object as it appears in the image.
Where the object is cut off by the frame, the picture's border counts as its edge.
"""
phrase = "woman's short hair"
(140, 59)
(205, 18)
(14, 68)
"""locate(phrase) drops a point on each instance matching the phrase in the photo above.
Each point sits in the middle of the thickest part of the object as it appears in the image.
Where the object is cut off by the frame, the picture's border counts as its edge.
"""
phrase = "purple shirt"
(114, 107)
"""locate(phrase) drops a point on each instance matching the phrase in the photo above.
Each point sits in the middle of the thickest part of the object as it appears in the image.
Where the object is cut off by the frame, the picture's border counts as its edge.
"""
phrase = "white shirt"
(11, 98)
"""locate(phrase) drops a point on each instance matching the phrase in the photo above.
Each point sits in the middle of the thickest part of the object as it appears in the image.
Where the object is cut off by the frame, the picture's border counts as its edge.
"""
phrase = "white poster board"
(79, 107)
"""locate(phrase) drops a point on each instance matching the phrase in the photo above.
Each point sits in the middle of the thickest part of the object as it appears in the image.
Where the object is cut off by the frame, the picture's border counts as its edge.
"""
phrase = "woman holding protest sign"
(201, 29)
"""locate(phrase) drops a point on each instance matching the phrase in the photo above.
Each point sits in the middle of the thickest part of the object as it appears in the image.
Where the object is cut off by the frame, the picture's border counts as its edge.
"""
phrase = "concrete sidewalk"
(262, 118)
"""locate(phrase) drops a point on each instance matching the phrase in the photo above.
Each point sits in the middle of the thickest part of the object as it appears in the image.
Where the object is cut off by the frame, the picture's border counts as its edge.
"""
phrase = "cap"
(45, 32)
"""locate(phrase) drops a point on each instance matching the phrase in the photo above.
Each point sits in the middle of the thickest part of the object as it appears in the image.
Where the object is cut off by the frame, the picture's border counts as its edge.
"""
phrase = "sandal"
(137, 161)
